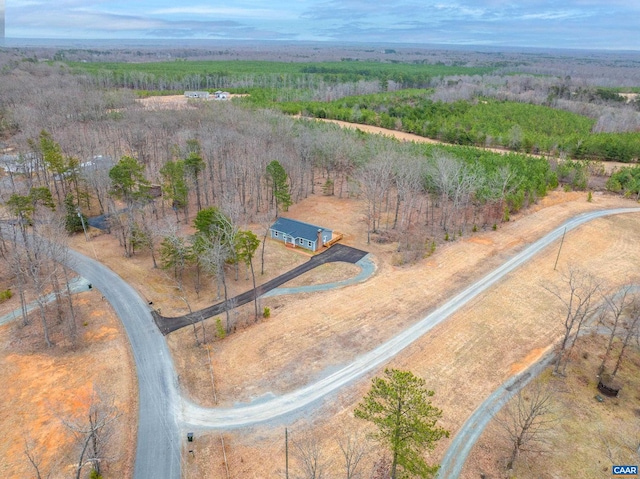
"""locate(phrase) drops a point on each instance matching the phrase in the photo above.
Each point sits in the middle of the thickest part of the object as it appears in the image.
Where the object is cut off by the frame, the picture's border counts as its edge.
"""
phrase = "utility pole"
(286, 453)
(560, 249)
(84, 228)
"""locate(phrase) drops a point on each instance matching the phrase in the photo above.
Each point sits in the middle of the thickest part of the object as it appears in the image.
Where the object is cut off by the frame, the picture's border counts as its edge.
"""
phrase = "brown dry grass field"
(308, 335)
(43, 388)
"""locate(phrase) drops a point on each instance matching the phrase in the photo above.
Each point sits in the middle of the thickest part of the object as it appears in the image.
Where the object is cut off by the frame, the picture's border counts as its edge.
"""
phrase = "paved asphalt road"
(158, 451)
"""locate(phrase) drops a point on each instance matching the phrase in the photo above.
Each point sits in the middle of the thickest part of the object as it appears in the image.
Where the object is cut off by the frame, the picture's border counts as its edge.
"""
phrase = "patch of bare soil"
(600, 435)
(326, 273)
(174, 102)
(629, 97)
(43, 387)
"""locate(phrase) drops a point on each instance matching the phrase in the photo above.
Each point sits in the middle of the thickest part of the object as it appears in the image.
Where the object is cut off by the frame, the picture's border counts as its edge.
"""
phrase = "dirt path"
(456, 455)
(175, 102)
(270, 409)
(609, 166)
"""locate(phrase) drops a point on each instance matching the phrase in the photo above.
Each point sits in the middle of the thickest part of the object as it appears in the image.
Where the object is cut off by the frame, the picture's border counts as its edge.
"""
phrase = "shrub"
(266, 312)
(5, 295)
(220, 332)
(614, 185)
(431, 248)
(626, 180)
(327, 188)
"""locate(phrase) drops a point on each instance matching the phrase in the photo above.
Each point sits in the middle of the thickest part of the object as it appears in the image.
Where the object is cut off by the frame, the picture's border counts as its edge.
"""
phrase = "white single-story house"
(299, 233)
(221, 95)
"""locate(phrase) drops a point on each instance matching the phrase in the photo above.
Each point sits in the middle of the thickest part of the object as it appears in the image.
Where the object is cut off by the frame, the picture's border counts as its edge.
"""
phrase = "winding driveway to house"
(158, 450)
(279, 406)
(336, 253)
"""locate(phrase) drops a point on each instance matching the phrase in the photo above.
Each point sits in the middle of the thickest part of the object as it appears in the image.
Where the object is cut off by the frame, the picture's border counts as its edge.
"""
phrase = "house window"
(309, 244)
(275, 234)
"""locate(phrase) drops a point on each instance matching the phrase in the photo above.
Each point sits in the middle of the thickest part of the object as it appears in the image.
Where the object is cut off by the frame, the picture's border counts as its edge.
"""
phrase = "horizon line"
(37, 41)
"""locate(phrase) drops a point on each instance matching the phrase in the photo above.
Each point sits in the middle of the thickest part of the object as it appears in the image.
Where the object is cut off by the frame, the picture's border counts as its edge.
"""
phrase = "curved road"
(456, 455)
(158, 451)
(290, 402)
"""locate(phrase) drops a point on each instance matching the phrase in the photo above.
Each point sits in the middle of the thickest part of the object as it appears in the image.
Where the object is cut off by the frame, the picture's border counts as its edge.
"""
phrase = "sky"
(583, 24)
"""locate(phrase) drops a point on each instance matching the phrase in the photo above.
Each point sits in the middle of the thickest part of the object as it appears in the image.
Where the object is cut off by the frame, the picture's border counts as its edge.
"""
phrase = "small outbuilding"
(298, 233)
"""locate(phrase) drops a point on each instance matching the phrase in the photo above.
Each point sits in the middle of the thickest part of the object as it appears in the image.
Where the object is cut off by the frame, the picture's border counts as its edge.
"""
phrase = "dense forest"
(517, 101)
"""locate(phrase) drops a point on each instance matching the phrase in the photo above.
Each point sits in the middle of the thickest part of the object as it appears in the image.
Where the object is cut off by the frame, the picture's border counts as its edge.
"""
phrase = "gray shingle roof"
(297, 229)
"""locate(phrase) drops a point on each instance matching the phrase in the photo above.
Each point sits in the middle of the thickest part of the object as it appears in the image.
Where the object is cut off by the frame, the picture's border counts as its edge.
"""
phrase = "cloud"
(234, 12)
(538, 23)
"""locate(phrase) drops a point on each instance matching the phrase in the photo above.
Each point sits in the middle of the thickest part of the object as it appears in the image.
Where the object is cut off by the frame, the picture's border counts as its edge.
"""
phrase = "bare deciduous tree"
(408, 174)
(312, 462)
(34, 459)
(94, 432)
(354, 449)
(381, 468)
(615, 305)
(578, 301)
(444, 176)
(526, 420)
(375, 178)
(631, 326)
